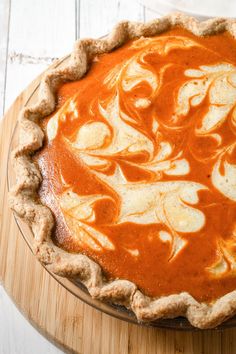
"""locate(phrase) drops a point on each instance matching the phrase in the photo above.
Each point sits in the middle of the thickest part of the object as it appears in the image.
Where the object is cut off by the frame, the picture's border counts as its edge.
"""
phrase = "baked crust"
(25, 202)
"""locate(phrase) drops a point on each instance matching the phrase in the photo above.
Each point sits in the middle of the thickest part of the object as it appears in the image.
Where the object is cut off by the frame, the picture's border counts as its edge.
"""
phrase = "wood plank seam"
(77, 19)
(144, 13)
(7, 48)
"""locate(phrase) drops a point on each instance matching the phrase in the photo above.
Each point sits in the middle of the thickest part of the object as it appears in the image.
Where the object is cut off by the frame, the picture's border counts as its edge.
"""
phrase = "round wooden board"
(62, 317)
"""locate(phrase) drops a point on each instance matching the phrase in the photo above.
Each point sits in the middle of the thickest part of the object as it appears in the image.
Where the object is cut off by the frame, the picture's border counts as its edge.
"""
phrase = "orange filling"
(204, 262)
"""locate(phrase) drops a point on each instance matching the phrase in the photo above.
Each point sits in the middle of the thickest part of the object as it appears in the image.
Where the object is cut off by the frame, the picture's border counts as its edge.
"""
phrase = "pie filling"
(139, 164)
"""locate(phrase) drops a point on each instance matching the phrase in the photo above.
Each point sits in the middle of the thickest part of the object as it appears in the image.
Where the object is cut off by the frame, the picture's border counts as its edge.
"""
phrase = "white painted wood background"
(32, 34)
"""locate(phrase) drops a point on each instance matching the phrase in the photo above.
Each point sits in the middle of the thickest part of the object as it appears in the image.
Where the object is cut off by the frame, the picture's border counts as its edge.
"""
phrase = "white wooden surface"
(32, 35)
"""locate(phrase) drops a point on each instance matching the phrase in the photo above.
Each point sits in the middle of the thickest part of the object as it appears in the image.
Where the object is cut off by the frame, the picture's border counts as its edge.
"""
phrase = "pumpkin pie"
(126, 168)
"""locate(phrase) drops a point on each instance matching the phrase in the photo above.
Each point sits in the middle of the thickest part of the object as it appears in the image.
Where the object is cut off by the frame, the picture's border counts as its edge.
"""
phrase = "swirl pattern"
(141, 164)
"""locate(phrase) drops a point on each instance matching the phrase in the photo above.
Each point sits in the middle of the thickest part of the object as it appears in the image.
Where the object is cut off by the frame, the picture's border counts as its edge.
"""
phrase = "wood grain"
(62, 317)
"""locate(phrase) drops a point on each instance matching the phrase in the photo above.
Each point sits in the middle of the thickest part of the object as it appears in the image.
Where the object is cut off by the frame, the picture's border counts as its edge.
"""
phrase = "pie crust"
(24, 199)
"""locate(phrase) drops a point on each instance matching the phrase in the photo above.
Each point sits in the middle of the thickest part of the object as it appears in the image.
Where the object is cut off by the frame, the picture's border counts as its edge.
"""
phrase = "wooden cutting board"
(59, 315)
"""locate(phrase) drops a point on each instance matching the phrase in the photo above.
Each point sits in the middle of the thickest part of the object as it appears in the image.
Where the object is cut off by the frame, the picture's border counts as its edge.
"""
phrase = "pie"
(126, 168)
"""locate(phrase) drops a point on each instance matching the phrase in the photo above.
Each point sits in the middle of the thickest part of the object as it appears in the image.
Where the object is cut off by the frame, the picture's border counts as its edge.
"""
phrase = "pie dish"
(126, 168)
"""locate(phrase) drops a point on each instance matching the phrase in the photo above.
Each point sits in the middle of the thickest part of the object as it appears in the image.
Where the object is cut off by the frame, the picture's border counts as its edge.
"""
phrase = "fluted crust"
(25, 202)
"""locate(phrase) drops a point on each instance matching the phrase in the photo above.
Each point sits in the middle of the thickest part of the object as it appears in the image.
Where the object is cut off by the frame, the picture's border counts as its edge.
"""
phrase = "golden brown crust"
(25, 202)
